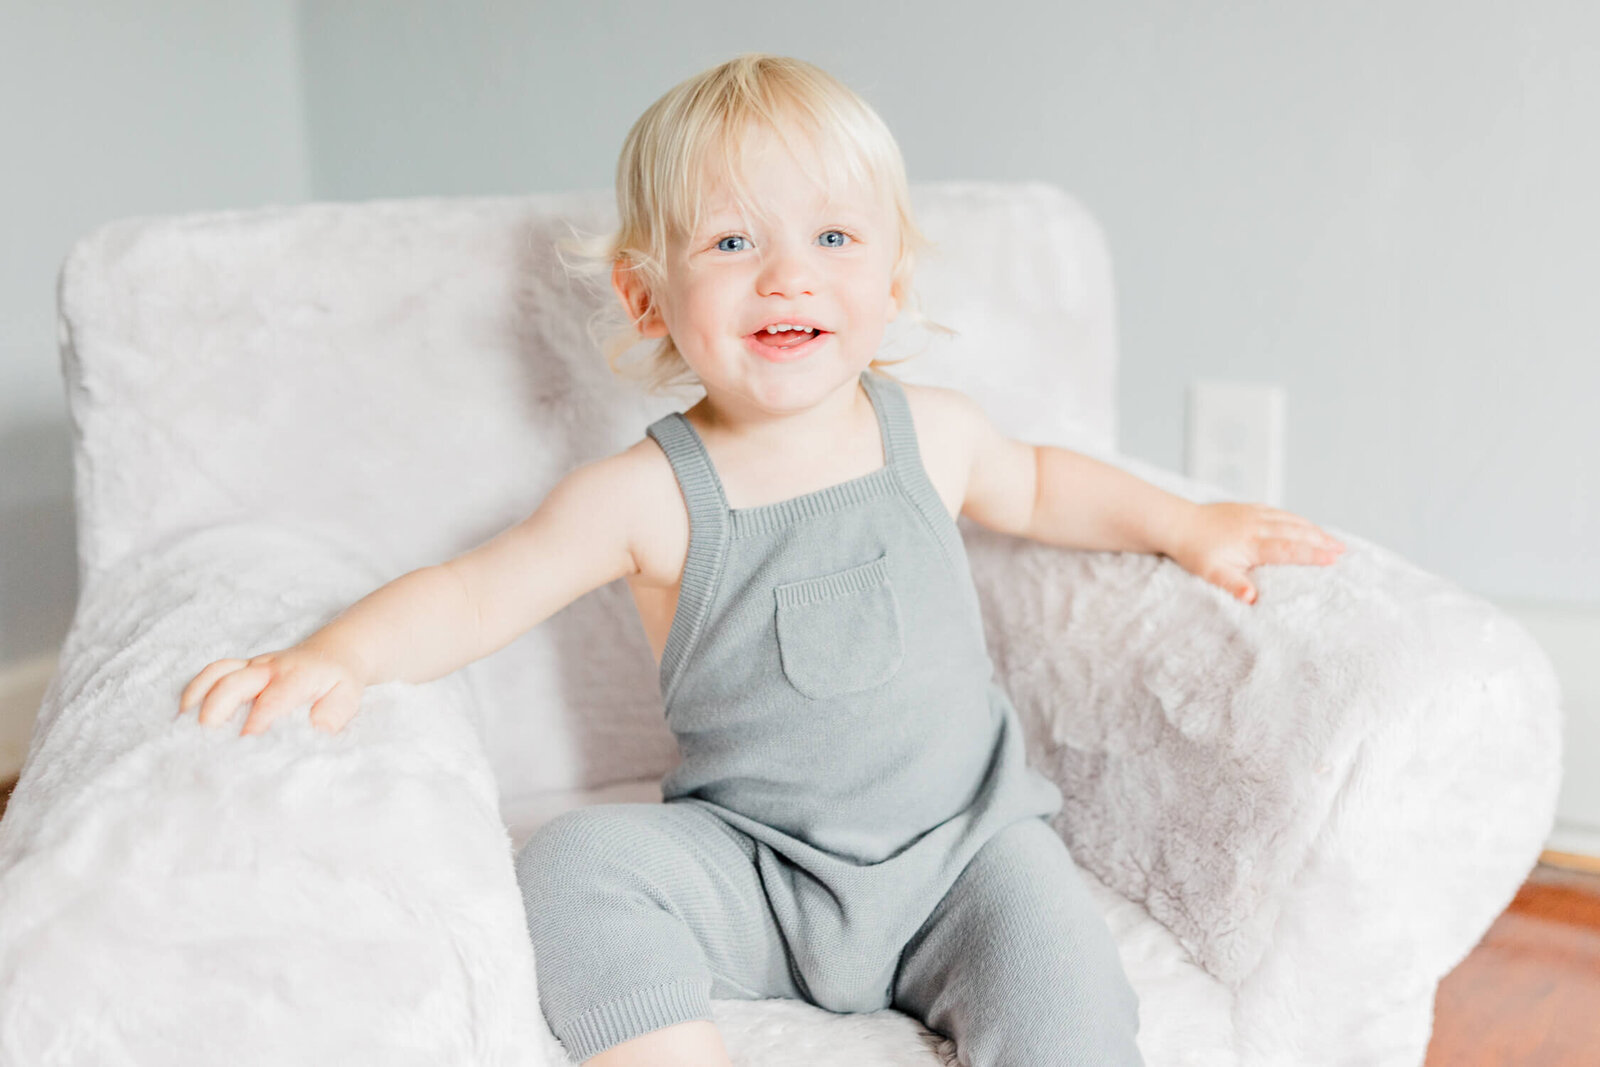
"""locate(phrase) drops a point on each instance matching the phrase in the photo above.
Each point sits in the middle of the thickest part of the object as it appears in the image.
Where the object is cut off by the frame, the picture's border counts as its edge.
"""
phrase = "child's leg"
(639, 914)
(1016, 963)
(695, 1043)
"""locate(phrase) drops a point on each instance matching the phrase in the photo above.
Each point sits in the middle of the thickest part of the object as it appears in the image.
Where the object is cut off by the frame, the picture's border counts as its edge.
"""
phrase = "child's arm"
(431, 621)
(1061, 497)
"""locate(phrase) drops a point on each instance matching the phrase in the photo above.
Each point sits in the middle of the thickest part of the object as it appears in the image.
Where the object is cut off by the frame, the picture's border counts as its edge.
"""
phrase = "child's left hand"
(1220, 542)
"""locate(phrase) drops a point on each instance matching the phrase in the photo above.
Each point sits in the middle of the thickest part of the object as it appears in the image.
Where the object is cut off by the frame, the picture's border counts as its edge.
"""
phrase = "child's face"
(804, 260)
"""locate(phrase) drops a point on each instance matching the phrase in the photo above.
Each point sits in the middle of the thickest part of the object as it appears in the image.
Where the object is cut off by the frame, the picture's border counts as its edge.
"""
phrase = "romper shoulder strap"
(702, 489)
(894, 414)
(708, 538)
(900, 440)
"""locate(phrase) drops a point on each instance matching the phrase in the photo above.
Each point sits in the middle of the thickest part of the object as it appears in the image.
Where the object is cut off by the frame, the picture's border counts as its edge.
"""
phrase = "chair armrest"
(1365, 734)
(172, 893)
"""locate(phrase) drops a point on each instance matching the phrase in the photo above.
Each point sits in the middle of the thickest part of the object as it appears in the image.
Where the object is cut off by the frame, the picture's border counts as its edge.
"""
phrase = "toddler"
(853, 822)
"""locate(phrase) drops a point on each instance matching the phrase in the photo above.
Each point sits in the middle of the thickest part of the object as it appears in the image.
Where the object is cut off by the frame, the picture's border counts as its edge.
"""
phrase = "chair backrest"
(411, 376)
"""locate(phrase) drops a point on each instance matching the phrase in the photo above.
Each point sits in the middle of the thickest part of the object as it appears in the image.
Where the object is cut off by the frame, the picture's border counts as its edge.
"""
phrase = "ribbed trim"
(857, 579)
(768, 517)
(598, 1028)
(708, 540)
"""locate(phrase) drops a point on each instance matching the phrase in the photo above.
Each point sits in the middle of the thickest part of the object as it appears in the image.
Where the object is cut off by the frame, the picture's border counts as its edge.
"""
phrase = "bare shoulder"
(939, 410)
(658, 518)
(978, 471)
(946, 422)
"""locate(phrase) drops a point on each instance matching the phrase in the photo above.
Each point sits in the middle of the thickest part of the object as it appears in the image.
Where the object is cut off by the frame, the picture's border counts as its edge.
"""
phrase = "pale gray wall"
(1382, 206)
(112, 109)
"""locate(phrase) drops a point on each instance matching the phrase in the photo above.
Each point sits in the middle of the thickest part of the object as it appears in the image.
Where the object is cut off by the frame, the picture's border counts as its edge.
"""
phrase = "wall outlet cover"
(1234, 439)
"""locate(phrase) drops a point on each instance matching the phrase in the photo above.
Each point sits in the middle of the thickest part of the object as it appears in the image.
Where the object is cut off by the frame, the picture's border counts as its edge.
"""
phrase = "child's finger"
(1233, 583)
(1297, 550)
(1302, 529)
(226, 696)
(1287, 516)
(200, 684)
(1322, 536)
(273, 701)
(1292, 524)
(1285, 521)
(336, 708)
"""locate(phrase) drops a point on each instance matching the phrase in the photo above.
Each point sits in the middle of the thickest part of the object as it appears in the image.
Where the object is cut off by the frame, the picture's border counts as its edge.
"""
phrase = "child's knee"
(613, 958)
(614, 877)
(1017, 963)
(581, 839)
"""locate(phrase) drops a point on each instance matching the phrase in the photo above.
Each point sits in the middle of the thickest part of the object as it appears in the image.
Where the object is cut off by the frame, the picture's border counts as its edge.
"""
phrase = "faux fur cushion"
(180, 894)
(412, 376)
(1212, 751)
(277, 411)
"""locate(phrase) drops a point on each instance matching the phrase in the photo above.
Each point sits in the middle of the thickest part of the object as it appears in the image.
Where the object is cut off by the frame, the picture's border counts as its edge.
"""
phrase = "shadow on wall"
(38, 539)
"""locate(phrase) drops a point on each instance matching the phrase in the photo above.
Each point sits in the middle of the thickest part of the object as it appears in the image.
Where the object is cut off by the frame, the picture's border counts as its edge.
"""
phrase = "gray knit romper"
(846, 754)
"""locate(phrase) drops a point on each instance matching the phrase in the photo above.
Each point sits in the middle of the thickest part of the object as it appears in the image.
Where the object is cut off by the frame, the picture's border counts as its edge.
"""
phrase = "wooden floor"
(1528, 995)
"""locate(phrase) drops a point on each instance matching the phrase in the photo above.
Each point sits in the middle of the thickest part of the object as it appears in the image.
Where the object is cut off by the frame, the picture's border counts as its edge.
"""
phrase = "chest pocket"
(840, 633)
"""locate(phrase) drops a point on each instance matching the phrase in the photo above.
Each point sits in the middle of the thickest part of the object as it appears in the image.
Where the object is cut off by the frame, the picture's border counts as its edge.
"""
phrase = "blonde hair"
(664, 163)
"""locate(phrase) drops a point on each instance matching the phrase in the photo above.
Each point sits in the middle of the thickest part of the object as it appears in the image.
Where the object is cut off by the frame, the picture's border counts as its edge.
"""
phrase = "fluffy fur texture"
(1297, 815)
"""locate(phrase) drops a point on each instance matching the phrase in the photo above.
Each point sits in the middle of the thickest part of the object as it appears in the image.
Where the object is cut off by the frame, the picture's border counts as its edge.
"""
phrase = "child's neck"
(818, 430)
(763, 458)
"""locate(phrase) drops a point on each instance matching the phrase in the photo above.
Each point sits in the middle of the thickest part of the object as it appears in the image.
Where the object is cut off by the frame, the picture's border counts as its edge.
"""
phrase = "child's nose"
(784, 272)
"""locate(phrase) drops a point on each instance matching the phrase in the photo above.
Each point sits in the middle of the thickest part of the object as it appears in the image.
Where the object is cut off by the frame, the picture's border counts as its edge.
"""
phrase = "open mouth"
(781, 346)
(782, 339)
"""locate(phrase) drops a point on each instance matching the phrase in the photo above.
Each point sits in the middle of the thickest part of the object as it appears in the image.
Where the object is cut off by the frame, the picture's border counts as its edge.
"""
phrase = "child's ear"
(636, 300)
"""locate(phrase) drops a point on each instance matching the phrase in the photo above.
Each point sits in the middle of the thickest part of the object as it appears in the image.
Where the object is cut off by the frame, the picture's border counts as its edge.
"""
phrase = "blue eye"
(844, 238)
(730, 237)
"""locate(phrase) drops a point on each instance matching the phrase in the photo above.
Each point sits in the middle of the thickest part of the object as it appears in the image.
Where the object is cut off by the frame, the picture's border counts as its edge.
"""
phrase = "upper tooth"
(779, 327)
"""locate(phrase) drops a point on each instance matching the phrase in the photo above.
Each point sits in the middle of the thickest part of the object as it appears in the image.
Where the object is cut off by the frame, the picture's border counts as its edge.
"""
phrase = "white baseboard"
(22, 687)
(1579, 840)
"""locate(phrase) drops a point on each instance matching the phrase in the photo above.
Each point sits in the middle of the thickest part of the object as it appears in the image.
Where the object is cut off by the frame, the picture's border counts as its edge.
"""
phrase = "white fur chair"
(1297, 815)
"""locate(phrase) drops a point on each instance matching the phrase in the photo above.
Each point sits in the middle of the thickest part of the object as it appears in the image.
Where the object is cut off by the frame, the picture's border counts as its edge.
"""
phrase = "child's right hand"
(277, 681)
